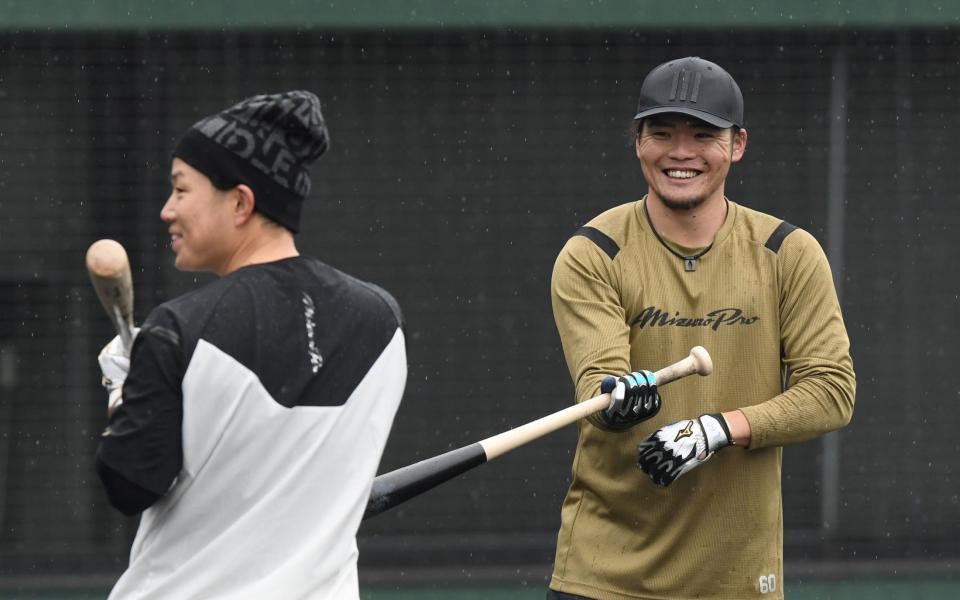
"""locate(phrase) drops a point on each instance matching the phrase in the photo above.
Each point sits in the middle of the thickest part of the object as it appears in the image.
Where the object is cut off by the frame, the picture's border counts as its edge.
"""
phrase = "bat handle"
(124, 328)
(698, 361)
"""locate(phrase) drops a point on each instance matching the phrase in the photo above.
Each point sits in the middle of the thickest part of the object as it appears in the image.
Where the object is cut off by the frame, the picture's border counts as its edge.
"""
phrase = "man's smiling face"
(685, 160)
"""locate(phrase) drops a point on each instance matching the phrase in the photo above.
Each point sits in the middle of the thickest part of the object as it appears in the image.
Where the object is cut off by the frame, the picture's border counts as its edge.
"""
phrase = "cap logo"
(681, 83)
(279, 134)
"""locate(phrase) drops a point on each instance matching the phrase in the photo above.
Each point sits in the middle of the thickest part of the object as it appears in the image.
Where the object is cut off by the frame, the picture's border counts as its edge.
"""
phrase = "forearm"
(140, 451)
(810, 408)
(589, 319)
(821, 384)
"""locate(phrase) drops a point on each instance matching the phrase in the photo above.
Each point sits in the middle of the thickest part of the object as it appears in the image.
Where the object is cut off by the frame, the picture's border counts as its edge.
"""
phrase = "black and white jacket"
(253, 421)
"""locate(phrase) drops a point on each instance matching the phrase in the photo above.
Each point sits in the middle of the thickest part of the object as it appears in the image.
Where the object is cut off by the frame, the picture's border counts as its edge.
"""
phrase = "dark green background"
(457, 14)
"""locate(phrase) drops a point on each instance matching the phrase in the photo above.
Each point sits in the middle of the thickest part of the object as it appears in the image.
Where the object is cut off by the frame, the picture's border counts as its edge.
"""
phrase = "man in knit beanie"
(265, 142)
(248, 422)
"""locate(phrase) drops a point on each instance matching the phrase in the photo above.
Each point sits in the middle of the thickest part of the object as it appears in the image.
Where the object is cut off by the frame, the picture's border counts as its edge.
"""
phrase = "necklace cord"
(666, 245)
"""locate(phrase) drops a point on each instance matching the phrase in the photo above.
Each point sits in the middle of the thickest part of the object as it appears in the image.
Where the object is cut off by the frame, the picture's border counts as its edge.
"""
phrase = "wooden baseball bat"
(395, 487)
(109, 270)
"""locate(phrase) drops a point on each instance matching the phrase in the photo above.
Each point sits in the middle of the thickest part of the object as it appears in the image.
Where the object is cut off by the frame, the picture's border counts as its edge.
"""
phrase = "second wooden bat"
(109, 269)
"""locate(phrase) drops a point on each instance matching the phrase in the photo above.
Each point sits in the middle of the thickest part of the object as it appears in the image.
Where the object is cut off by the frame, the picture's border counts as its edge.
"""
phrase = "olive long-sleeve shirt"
(762, 302)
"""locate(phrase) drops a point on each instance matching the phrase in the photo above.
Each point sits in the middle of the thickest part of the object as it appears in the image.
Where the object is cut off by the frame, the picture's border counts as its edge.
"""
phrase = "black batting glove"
(680, 447)
(633, 399)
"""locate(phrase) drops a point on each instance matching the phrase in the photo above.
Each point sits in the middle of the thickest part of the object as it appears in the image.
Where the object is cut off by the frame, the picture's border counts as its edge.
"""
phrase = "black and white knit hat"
(267, 142)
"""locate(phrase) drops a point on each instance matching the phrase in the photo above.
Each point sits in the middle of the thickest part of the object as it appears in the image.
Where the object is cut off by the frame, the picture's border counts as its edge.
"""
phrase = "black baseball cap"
(694, 87)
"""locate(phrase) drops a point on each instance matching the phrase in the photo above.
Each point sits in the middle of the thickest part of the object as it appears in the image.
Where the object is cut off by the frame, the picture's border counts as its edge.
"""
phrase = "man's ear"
(739, 144)
(244, 204)
(638, 127)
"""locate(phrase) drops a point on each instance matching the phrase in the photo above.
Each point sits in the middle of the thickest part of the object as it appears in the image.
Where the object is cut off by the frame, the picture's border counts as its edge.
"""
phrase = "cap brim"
(703, 116)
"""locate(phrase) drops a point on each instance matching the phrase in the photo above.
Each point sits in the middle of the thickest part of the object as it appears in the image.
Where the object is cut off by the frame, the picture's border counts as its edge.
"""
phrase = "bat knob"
(107, 258)
(702, 360)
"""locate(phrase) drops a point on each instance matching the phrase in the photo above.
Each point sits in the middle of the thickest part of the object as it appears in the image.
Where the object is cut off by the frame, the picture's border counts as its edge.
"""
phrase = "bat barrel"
(399, 486)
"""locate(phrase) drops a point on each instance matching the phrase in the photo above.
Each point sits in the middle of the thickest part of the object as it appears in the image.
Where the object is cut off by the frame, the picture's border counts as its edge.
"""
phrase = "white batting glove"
(681, 447)
(115, 364)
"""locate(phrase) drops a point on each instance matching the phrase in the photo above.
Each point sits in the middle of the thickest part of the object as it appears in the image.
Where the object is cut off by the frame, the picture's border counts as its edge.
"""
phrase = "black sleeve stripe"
(163, 333)
(602, 240)
(779, 234)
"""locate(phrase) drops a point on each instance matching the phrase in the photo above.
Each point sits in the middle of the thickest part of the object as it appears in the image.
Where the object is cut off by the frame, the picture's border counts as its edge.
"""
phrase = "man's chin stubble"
(682, 204)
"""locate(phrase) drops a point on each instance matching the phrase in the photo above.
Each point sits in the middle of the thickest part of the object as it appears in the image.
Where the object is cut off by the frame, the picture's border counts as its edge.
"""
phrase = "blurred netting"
(460, 164)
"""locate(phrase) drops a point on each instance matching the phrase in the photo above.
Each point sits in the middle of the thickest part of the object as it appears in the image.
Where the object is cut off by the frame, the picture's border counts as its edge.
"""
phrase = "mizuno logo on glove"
(685, 432)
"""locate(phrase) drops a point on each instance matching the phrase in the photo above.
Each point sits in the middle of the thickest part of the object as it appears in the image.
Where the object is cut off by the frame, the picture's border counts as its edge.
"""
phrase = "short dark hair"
(636, 126)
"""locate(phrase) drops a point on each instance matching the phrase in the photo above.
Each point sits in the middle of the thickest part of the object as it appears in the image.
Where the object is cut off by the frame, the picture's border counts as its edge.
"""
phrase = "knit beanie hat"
(266, 142)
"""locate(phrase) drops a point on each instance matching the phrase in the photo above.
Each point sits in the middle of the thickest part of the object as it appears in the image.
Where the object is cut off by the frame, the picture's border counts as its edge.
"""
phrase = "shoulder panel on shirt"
(388, 299)
(308, 331)
(779, 235)
(757, 227)
(609, 230)
(602, 240)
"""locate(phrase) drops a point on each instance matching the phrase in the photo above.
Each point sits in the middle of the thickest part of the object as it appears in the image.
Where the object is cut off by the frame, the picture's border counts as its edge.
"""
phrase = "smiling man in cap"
(635, 289)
